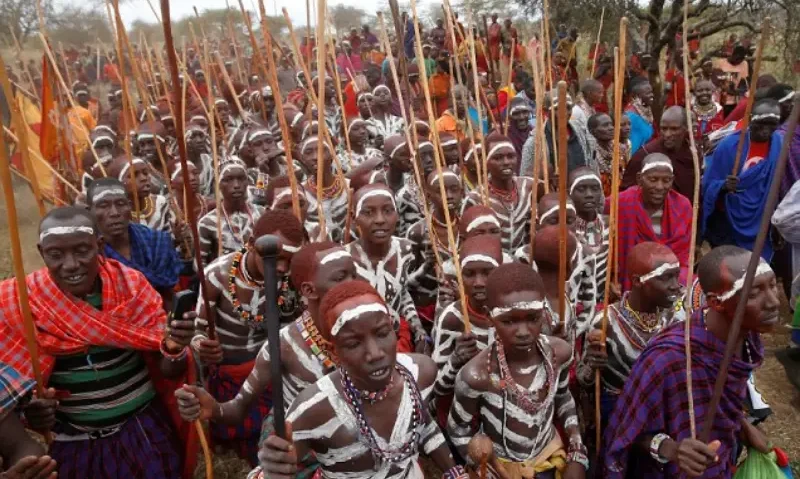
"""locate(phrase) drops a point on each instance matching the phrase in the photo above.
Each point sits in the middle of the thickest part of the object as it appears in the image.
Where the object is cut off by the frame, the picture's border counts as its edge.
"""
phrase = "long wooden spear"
(597, 42)
(321, 80)
(751, 95)
(439, 172)
(562, 200)
(190, 206)
(749, 278)
(538, 151)
(693, 235)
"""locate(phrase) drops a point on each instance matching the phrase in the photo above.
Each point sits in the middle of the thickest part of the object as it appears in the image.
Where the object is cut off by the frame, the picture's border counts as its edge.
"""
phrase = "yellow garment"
(553, 456)
(33, 116)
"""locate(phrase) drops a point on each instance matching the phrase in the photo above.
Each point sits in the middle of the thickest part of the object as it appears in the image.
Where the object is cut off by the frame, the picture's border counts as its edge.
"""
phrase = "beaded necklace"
(328, 192)
(315, 342)
(705, 112)
(238, 238)
(647, 322)
(246, 316)
(353, 399)
(146, 210)
(504, 196)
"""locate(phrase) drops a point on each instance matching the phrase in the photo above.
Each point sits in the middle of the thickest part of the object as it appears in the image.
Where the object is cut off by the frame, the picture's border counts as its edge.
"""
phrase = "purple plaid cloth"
(145, 447)
(793, 165)
(654, 400)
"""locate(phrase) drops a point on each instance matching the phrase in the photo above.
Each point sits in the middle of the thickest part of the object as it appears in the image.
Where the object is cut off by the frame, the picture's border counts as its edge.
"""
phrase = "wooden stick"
(41, 160)
(597, 42)
(538, 152)
(232, 35)
(438, 160)
(749, 278)
(25, 68)
(751, 96)
(539, 91)
(276, 93)
(414, 164)
(508, 83)
(693, 235)
(562, 199)
(490, 61)
(15, 106)
(308, 36)
(321, 80)
(29, 330)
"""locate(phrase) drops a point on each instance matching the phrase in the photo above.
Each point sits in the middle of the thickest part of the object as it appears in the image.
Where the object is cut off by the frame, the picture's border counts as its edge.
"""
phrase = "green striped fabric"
(105, 386)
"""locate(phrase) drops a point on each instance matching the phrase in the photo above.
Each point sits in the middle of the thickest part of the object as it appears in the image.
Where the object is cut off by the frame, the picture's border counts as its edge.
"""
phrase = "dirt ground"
(783, 427)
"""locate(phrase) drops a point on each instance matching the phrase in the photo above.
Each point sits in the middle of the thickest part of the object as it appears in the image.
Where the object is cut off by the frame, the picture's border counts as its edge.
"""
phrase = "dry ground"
(783, 427)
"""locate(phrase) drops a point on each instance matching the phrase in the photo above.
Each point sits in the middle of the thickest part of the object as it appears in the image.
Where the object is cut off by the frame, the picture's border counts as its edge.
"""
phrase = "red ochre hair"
(510, 278)
(470, 214)
(283, 221)
(338, 294)
(305, 263)
(483, 244)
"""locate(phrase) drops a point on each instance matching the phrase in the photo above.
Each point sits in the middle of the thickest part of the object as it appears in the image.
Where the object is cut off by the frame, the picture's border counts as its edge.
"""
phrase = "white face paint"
(485, 219)
(65, 230)
(354, 313)
(106, 192)
(289, 248)
(553, 210)
(475, 258)
(659, 271)
(396, 149)
(231, 167)
(282, 193)
(333, 256)
(519, 306)
(372, 194)
(763, 268)
(444, 174)
(657, 164)
(123, 174)
(587, 177)
(498, 146)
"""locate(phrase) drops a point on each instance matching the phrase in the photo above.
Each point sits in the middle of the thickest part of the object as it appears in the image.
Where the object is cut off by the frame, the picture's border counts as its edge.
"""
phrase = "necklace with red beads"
(530, 401)
(315, 342)
(236, 267)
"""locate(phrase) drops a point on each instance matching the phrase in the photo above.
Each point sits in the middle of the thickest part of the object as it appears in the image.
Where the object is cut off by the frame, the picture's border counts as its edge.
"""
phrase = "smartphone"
(183, 302)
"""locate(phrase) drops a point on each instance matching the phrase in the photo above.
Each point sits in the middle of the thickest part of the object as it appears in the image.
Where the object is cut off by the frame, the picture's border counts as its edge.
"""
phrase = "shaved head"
(674, 114)
(645, 257)
(545, 247)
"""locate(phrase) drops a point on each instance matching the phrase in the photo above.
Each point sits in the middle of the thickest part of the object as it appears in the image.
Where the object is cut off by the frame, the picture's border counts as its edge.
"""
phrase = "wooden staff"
(308, 36)
(508, 83)
(25, 68)
(232, 39)
(484, 159)
(491, 60)
(439, 172)
(693, 235)
(751, 95)
(71, 99)
(538, 151)
(537, 63)
(41, 160)
(619, 87)
(321, 80)
(597, 42)
(414, 164)
(29, 330)
(15, 106)
(272, 79)
(190, 206)
(562, 200)
(749, 278)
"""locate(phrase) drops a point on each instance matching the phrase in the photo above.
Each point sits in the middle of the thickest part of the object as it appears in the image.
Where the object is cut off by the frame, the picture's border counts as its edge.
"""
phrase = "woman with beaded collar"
(235, 284)
(334, 193)
(509, 195)
(383, 260)
(367, 419)
(305, 355)
(516, 390)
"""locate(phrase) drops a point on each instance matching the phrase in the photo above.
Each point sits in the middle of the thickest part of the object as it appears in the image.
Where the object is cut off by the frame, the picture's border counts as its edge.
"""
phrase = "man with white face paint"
(334, 189)
(235, 285)
(509, 195)
(648, 434)
(237, 215)
(375, 397)
(652, 304)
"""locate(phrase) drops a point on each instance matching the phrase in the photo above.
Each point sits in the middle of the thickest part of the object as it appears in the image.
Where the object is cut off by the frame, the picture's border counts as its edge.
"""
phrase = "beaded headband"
(444, 173)
(659, 271)
(497, 146)
(124, 171)
(335, 255)
(765, 116)
(373, 193)
(354, 313)
(553, 210)
(65, 230)
(475, 258)
(481, 220)
(657, 164)
(588, 176)
(518, 306)
(763, 268)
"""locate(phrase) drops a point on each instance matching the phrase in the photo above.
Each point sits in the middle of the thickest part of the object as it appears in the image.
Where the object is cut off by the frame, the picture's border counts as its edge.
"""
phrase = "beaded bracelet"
(655, 446)
(171, 356)
(578, 452)
(455, 472)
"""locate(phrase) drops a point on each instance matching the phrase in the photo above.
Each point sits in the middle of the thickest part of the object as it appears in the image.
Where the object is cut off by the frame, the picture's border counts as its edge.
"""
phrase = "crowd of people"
(426, 303)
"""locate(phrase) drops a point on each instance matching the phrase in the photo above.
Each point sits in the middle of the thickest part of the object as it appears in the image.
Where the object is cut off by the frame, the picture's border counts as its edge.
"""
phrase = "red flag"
(48, 135)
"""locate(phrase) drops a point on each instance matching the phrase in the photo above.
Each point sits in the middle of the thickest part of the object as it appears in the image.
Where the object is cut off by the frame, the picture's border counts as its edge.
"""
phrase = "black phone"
(183, 302)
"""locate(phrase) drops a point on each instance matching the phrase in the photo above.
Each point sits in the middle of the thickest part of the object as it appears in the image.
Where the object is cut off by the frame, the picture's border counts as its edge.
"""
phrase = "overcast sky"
(139, 10)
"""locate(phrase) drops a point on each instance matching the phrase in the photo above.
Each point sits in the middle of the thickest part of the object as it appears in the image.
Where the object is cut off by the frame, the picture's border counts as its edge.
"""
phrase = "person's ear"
(307, 290)
(714, 302)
